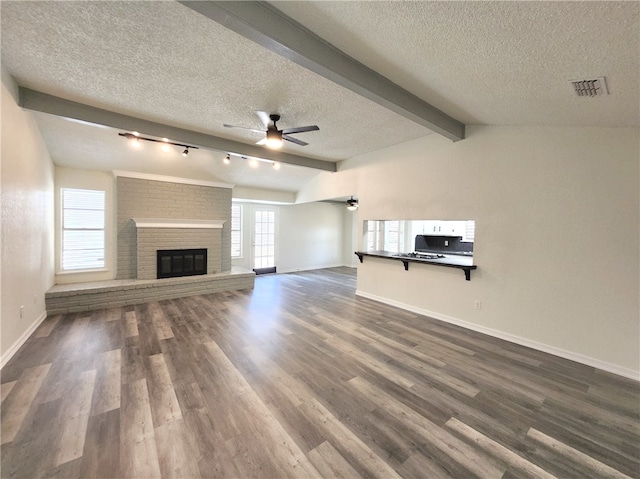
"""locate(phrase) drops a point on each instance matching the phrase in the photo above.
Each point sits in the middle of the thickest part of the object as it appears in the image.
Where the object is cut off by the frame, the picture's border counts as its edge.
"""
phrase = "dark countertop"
(452, 261)
(449, 259)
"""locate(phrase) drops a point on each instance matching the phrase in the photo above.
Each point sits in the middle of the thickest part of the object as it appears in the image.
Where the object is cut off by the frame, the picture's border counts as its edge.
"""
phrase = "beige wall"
(557, 234)
(27, 222)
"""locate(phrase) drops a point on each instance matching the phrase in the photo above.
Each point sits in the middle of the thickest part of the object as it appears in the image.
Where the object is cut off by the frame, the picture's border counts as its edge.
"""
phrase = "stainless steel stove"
(420, 255)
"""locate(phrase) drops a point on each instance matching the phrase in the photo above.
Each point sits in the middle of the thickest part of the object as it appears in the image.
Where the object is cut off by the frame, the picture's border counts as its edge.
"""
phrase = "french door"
(264, 240)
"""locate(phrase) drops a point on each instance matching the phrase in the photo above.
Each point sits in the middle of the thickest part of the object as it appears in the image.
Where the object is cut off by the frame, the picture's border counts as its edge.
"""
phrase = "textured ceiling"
(494, 63)
(502, 63)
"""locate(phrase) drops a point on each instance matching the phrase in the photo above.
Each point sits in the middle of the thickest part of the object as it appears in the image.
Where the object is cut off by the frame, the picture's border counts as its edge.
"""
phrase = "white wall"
(90, 180)
(557, 234)
(27, 222)
(309, 236)
(350, 237)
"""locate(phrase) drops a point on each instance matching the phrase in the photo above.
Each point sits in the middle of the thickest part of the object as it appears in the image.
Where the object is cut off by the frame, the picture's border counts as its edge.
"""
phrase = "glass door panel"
(264, 240)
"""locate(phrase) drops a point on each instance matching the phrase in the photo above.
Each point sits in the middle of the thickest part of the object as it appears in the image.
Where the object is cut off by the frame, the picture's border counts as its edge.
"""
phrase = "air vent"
(594, 87)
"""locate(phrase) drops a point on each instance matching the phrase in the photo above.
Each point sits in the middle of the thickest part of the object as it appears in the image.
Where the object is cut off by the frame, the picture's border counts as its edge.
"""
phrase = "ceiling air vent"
(594, 87)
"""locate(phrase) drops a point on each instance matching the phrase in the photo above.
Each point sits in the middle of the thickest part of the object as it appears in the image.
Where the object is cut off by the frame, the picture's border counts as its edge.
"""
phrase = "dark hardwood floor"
(299, 378)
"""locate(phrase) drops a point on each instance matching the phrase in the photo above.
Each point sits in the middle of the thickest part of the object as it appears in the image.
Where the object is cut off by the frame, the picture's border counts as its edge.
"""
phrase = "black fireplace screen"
(181, 262)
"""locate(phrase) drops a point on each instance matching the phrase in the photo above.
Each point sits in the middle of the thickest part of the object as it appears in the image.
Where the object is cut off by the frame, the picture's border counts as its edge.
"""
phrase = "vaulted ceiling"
(171, 67)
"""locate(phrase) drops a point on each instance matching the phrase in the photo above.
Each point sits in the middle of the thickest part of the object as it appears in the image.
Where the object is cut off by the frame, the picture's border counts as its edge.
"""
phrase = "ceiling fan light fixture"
(274, 139)
(352, 204)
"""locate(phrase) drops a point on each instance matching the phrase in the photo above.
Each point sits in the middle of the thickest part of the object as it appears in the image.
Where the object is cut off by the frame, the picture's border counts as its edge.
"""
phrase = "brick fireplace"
(155, 214)
(151, 217)
(155, 234)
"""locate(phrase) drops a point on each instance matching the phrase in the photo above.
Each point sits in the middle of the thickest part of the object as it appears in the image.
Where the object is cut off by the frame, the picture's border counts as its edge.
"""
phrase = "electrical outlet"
(21, 312)
(477, 304)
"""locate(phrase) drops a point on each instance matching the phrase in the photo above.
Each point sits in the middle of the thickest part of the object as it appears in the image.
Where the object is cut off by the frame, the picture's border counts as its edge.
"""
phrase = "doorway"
(264, 240)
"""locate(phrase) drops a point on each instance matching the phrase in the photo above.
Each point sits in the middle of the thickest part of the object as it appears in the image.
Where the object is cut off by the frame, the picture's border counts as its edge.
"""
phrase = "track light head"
(227, 160)
(135, 139)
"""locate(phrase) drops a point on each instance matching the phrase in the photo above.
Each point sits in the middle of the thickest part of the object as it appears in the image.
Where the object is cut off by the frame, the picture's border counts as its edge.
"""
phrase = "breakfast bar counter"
(462, 262)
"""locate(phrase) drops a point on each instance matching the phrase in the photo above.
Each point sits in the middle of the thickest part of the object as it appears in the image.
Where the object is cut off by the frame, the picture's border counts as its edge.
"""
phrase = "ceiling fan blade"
(300, 129)
(264, 117)
(243, 128)
(294, 140)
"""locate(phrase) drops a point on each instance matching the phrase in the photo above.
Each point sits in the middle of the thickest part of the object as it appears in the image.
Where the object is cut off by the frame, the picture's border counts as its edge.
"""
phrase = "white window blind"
(469, 231)
(236, 231)
(371, 236)
(82, 229)
(393, 235)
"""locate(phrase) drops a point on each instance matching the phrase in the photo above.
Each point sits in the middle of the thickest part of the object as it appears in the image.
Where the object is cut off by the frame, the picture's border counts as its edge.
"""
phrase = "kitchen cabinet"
(443, 228)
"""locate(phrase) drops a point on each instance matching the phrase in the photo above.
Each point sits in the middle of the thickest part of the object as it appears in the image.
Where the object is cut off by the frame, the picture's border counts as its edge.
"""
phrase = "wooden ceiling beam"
(272, 29)
(42, 102)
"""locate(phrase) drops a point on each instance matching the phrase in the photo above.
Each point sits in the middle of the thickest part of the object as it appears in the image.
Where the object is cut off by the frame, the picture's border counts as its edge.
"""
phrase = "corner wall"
(311, 237)
(27, 223)
(557, 234)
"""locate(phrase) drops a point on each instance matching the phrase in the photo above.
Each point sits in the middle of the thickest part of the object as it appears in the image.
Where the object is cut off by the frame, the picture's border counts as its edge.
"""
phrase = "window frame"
(63, 229)
(240, 231)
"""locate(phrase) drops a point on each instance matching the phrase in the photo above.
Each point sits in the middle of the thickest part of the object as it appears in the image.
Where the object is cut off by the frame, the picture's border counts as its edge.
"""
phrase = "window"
(393, 236)
(236, 231)
(469, 231)
(371, 235)
(82, 229)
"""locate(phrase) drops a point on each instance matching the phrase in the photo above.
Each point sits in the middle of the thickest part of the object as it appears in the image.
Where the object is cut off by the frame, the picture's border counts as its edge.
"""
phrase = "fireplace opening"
(173, 263)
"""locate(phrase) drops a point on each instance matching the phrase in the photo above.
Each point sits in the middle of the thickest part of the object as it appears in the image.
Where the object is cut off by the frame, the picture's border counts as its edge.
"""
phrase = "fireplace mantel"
(175, 223)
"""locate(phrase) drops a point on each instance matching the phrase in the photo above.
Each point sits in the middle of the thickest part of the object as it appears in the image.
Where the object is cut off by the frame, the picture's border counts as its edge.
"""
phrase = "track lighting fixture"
(253, 162)
(135, 137)
(352, 204)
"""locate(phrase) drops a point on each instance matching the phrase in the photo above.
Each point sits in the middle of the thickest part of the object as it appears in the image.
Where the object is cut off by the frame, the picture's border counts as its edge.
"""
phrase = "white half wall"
(27, 223)
(557, 244)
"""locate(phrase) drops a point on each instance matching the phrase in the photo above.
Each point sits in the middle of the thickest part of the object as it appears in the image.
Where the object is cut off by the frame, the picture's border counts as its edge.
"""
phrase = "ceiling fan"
(274, 137)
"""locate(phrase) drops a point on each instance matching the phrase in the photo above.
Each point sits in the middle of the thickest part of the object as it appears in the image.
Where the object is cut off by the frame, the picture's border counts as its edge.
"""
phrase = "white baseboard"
(309, 268)
(545, 348)
(21, 340)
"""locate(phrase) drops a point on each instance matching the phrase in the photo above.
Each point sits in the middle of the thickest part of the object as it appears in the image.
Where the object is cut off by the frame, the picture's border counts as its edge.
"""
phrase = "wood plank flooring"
(300, 379)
